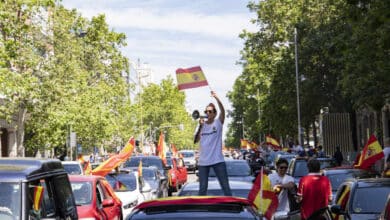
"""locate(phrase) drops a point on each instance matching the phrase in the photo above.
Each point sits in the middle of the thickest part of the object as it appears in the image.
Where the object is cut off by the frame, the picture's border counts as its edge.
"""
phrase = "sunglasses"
(209, 111)
(282, 168)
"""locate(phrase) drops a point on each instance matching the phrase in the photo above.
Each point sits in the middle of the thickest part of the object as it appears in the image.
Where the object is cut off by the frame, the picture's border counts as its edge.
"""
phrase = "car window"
(64, 194)
(9, 200)
(363, 202)
(300, 168)
(122, 182)
(73, 169)
(148, 174)
(188, 154)
(337, 179)
(146, 162)
(243, 193)
(82, 192)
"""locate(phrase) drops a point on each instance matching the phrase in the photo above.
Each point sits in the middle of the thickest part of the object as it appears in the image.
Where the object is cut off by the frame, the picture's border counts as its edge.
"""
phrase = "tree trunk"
(20, 131)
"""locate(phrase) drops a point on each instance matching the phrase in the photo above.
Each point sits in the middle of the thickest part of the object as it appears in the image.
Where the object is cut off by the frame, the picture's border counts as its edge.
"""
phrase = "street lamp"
(297, 87)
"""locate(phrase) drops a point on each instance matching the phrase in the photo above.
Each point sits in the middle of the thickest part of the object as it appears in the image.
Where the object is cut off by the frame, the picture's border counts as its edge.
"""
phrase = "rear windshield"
(146, 162)
(122, 182)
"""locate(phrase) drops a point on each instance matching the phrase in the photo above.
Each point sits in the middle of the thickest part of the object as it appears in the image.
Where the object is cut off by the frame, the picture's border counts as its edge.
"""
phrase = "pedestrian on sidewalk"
(338, 156)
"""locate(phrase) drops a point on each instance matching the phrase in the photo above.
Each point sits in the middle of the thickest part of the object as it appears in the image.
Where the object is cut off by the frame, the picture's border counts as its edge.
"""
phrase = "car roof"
(193, 200)
(84, 178)
(16, 169)
(214, 184)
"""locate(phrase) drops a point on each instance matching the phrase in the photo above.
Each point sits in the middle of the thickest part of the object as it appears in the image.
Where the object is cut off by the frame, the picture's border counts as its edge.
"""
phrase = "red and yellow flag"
(174, 151)
(38, 195)
(87, 168)
(115, 160)
(372, 152)
(262, 196)
(162, 148)
(190, 78)
(244, 143)
(273, 142)
(342, 201)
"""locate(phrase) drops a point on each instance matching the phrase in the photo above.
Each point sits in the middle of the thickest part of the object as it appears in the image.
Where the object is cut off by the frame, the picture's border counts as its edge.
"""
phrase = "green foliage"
(342, 62)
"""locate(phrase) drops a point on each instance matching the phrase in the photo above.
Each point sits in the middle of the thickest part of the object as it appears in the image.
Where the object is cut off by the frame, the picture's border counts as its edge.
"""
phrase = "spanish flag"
(162, 148)
(262, 196)
(244, 143)
(190, 78)
(38, 195)
(273, 142)
(342, 202)
(372, 152)
(115, 160)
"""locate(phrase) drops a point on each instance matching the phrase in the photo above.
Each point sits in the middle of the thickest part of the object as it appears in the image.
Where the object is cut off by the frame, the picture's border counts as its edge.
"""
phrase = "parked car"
(195, 208)
(95, 198)
(238, 188)
(24, 180)
(297, 167)
(237, 170)
(190, 161)
(151, 161)
(338, 175)
(127, 187)
(177, 174)
(361, 198)
(73, 167)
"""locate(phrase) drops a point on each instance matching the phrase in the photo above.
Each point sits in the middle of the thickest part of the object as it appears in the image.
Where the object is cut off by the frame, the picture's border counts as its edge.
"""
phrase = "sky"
(172, 34)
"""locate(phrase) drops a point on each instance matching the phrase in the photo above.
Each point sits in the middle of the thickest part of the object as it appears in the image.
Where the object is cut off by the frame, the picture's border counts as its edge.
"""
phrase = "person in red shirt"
(314, 191)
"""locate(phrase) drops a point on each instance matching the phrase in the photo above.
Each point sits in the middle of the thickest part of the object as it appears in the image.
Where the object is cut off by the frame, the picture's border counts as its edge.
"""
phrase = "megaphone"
(196, 115)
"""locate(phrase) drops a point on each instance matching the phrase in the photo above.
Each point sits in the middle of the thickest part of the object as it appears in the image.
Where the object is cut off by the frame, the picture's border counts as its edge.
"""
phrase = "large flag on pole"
(372, 152)
(190, 78)
(115, 160)
(262, 196)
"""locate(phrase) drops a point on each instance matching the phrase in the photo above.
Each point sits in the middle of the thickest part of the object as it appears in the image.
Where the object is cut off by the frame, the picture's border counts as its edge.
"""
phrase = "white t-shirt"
(275, 179)
(210, 151)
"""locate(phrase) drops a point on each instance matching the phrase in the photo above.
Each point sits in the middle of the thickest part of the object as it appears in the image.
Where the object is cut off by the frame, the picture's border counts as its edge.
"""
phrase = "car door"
(111, 211)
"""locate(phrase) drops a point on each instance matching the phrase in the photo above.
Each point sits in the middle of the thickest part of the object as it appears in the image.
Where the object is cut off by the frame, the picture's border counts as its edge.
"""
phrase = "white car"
(126, 185)
(73, 167)
(189, 159)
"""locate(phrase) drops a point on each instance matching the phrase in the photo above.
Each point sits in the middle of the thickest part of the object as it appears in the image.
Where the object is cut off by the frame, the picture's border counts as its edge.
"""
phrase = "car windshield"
(82, 192)
(146, 162)
(148, 174)
(338, 178)
(188, 154)
(10, 200)
(300, 168)
(169, 161)
(243, 193)
(363, 202)
(235, 168)
(73, 169)
(122, 182)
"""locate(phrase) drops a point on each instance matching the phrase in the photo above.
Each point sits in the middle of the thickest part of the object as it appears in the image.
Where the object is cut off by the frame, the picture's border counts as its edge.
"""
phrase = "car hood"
(127, 197)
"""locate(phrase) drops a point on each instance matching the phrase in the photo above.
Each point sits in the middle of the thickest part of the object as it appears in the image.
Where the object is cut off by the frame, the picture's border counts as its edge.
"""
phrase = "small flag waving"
(190, 78)
(273, 142)
(372, 152)
(262, 196)
(162, 148)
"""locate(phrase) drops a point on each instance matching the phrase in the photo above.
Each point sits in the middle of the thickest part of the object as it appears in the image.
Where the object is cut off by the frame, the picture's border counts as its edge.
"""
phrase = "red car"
(95, 198)
(177, 174)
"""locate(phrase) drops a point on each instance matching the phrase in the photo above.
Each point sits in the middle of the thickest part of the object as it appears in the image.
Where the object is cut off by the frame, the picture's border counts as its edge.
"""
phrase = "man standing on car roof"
(210, 156)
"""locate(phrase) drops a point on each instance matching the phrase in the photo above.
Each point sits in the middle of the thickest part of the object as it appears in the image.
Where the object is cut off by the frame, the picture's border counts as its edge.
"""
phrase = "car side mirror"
(108, 203)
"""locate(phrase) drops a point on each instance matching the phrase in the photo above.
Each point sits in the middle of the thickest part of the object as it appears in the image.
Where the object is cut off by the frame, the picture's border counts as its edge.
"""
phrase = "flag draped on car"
(342, 202)
(262, 196)
(190, 78)
(372, 152)
(115, 160)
